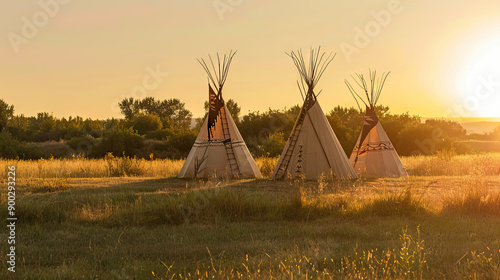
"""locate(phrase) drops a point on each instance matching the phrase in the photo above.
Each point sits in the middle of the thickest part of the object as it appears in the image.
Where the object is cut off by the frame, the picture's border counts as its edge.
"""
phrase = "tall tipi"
(374, 155)
(219, 148)
(312, 148)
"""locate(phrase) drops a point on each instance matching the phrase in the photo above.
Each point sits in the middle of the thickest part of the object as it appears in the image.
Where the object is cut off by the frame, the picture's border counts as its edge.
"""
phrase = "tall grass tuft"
(446, 163)
(403, 204)
(266, 165)
(123, 166)
(484, 265)
(474, 202)
(407, 262)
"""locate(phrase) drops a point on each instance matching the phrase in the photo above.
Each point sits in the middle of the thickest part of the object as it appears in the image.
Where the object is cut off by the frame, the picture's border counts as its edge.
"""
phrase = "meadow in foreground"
(122, 218)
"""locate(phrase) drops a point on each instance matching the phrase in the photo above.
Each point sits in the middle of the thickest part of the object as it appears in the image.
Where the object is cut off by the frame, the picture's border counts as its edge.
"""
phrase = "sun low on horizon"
(477, 80)
(81, 58)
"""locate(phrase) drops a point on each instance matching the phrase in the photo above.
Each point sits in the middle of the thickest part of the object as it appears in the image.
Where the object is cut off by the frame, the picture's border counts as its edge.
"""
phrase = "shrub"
(183, 141)
(54, 149)
(12, 148)
(119, 142)
(404, 204)
(266, 165)
(146, 123)
(158, 150)
(82, 145)
(273, 145)
(159, 134)
(474, 202)
(123, 166)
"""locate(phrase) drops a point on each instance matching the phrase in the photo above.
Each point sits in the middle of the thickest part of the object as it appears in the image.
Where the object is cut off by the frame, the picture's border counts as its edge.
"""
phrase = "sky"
(74, 57)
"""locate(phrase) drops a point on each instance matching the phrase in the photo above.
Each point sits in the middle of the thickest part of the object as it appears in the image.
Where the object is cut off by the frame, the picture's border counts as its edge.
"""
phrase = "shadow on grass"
(172, 201)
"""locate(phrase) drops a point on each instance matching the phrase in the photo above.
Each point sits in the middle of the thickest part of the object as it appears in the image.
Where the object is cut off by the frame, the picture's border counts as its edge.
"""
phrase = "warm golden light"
(81, 58)
(479, 81)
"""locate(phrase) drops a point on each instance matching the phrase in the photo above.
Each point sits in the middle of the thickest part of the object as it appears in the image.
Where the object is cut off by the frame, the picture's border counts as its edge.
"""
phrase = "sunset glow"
(84, 56)
(480, 75)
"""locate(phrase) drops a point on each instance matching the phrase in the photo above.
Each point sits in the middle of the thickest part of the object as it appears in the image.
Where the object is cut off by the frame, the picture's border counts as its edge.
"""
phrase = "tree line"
(153, 128)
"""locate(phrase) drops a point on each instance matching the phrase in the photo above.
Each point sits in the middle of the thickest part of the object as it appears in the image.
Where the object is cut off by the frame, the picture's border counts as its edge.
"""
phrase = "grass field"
(122, 218)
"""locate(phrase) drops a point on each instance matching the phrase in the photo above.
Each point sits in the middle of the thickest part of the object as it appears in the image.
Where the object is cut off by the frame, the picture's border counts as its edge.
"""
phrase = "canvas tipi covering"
(312, 148)
(219, 148)
(374, 155)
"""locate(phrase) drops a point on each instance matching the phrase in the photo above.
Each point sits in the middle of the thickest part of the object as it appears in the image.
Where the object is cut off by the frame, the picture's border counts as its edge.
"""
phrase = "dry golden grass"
(95, 215)
(259, 229)
(442, 164)
(453, 165)
(92, 168)
(266, 165)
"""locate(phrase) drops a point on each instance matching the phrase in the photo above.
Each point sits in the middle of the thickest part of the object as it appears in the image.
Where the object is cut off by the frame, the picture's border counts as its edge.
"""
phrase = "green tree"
(272, 145)
(182, 140)
(6, 113)
(43, 128)
(234, 110)
(346, 123)
(93, 128)
(256, 128)
(18, 126)
(129, 107)
(119, 142)
(13, 149)
(394, 124)
(146, 123)
(172, 112)
(450, 128)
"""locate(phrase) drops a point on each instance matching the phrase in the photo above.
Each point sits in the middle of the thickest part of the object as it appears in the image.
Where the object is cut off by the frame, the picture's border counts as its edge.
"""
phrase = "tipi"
(219, 148)
(374, 155)
(312, 147)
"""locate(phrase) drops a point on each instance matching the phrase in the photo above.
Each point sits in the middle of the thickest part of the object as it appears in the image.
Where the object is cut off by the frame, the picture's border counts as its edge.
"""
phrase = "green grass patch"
(129, 228)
